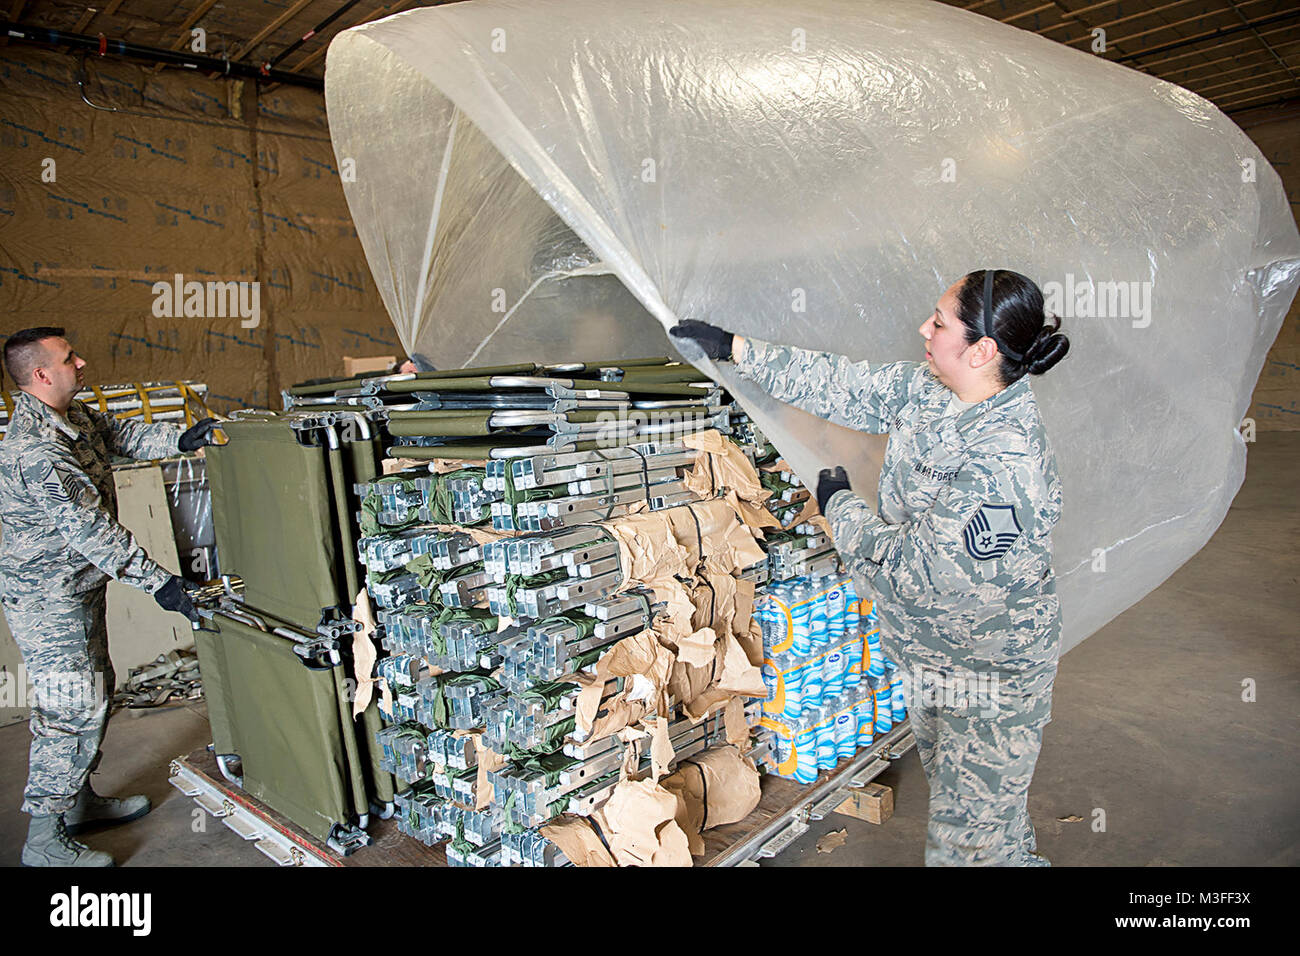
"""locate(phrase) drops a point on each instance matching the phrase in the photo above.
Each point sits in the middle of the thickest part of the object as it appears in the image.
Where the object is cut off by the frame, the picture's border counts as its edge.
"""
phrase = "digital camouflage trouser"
(64, 643)
(978, 764)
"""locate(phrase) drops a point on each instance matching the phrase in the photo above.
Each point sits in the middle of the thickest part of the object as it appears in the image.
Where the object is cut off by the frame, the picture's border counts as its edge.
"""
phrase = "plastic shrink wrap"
(565, 180)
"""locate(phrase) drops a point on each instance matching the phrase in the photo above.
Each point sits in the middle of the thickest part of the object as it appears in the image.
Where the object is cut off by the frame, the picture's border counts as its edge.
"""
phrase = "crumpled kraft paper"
(640, 822)
(697, 648)
(755, 517)
(392, 466)
(710, 531)
(639, 654)
(364, 656)
(647, 550)
(578, 840)
(713, 788)
(487, 760)
(721, 463)
(689, 684)
(733, 719)
(738, 675)
(744, 625)
(443, 465)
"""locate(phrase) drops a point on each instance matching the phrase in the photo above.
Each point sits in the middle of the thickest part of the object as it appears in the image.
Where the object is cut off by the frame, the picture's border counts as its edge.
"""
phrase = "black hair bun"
(1049, 348)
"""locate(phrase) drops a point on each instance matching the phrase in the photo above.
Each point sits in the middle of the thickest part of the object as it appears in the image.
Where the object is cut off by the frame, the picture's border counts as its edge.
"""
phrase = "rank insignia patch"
(991, 531)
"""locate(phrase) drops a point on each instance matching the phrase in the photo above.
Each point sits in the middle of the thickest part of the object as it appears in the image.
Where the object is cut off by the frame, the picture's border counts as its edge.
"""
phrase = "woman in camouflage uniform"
(959, 558)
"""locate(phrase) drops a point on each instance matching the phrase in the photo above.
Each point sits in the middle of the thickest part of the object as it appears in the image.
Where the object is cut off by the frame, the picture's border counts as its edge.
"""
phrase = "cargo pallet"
(781, 817)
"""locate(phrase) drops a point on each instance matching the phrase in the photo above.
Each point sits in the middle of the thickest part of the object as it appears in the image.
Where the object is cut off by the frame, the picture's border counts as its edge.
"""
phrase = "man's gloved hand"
(198, 435)
(716, 342)
(173, 597)
(829, 482)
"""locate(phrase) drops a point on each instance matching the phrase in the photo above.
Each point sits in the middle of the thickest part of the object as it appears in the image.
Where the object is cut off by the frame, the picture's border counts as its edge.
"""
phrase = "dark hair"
(23, 354)
(1018, 323)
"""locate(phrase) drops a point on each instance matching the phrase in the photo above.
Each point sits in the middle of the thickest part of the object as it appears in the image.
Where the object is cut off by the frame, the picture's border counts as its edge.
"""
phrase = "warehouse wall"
(210, 178)
(135, 199)
(1276, 402)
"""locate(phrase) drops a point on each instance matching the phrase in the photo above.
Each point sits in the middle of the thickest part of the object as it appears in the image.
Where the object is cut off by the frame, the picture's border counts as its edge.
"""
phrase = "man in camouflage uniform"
(959, 564)
(61, 545)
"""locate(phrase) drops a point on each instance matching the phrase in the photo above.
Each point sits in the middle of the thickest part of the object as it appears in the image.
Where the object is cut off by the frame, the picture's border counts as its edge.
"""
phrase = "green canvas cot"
(279, 704)
(277, 678)
(280, 493)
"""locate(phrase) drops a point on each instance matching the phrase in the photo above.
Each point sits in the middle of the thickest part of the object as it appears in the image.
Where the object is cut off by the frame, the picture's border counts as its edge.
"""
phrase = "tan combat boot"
(48, 844)
(91, 810)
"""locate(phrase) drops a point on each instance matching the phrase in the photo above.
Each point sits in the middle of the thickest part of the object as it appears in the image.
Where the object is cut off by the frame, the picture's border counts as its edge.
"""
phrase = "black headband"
(988, 318)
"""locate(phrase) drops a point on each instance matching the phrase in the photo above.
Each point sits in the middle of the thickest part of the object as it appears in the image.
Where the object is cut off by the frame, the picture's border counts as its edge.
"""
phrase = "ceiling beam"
(1268, 98)
(271, 27)
(1210, 35)
(184, 29)
(1218, 74)
(1211, 49)
(1262, 42)
(319, 52)
(1205, 90)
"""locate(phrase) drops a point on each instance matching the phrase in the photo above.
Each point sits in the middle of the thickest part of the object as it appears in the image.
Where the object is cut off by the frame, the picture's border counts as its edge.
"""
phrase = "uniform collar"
(47, 417)
(1013, 393)
(959, 429)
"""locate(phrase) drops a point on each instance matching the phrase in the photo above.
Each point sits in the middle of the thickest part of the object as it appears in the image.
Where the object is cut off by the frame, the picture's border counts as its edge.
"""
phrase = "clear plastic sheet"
(565, 180)
(190, 501)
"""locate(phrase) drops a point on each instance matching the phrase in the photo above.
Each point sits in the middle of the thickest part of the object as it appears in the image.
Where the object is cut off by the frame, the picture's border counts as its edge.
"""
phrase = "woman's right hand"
(717, 343)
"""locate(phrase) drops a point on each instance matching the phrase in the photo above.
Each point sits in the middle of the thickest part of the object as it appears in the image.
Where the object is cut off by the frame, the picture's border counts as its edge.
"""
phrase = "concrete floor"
(1149, 727)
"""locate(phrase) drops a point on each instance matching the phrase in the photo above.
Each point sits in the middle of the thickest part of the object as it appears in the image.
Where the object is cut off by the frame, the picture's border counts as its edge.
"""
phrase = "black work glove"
(173, 597)
(829, 482)
(716, 342)
(198, 435)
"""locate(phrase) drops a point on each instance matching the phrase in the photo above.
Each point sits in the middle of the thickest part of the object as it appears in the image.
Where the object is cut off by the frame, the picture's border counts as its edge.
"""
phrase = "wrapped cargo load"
(560, 624)
(546, 181)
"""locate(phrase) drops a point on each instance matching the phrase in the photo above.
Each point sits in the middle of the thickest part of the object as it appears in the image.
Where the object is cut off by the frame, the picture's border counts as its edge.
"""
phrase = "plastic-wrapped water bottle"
(805, 751)
(852, 651)
(898, 703)
(818, 621)
(846, 732)
(827, 755)
(776, 634)
(852, 619)
(884, 708)
(763, 603)
(866, 715)
(775, 700)
(836, 602)
(792, 680)
(867, 609)
(875, 656)
(812, 688)
(832, 673)
(801, 613)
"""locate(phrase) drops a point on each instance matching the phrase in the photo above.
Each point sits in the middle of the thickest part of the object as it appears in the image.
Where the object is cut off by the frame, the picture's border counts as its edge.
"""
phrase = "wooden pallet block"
(873, 803)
